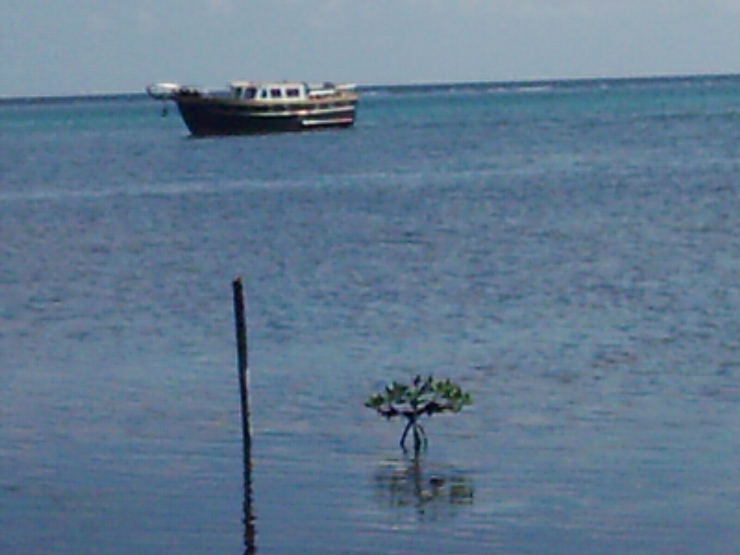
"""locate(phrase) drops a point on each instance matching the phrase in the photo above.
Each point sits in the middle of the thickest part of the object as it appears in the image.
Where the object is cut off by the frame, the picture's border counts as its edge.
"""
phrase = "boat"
(162, 91)
(249, 107)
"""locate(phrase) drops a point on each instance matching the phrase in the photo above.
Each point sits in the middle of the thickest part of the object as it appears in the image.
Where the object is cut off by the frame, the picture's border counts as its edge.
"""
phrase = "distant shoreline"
(564, 82)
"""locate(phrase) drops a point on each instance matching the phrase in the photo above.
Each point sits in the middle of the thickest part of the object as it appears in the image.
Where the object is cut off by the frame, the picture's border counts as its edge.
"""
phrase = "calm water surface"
(567, 251)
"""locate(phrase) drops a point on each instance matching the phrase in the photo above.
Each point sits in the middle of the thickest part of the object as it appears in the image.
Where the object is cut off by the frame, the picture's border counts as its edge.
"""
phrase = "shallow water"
(567, 253)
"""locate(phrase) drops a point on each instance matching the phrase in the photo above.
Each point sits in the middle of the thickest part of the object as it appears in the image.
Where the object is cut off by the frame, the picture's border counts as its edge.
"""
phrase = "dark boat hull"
(207, 116)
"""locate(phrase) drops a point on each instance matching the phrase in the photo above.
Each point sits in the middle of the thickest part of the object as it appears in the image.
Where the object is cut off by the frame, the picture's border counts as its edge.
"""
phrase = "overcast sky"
(59, 47)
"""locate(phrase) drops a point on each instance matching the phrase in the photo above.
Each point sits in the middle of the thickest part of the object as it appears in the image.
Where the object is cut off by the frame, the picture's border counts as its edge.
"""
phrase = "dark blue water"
(567, 252)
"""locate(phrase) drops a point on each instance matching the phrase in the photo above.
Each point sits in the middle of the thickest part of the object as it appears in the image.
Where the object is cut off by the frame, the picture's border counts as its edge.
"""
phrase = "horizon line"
(409, 85)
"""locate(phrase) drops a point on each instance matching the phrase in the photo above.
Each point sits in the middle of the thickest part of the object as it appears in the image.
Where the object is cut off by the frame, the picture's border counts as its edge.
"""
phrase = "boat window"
(293, 93)
(276, 93)
(263, 93)
(250, 93)
(237, 92)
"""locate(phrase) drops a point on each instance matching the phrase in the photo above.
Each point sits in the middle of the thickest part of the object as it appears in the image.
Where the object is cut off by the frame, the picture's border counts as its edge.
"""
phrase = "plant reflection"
(403, 483)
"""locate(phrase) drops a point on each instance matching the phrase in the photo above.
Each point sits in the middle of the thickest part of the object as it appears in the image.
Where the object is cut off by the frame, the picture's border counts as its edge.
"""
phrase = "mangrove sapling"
(422, 397)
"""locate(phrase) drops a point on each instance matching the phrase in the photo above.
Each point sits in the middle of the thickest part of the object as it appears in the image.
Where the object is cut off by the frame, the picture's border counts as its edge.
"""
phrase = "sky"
(68, 47)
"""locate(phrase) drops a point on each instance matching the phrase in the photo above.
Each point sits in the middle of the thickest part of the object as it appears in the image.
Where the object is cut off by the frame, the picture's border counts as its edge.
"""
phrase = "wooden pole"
(241, 349)
(243, 370)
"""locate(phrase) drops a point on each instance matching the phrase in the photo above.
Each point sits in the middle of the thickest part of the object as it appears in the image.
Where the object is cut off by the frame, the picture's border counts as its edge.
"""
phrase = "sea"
(568, 252)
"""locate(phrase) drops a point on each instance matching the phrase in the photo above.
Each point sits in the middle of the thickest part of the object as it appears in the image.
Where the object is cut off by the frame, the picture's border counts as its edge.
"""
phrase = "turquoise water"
(566, 251)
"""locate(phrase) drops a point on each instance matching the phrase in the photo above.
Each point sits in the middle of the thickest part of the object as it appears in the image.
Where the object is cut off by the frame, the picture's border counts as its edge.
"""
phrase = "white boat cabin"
(279, 92)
